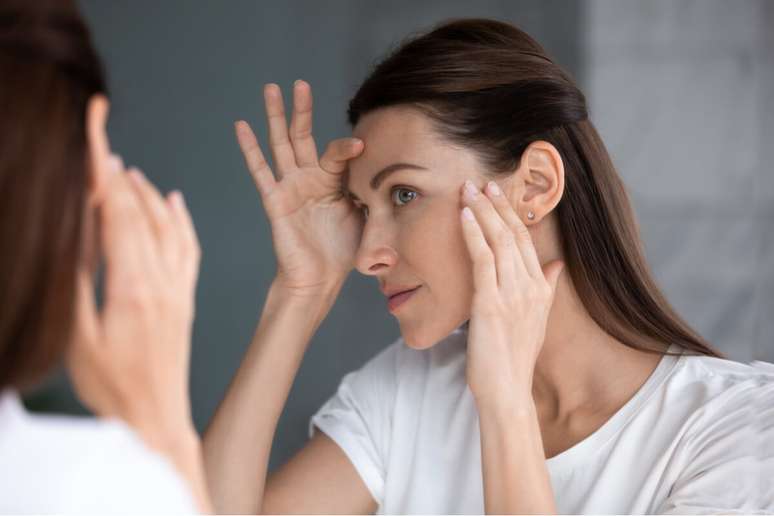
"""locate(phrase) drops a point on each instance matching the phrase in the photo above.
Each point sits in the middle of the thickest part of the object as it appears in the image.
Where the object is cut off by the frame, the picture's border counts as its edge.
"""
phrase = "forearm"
(516, 479)
(238, 441)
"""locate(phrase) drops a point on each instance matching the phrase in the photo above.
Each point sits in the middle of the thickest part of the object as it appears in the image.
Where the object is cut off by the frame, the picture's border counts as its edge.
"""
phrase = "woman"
(539, 368)
(68, 204)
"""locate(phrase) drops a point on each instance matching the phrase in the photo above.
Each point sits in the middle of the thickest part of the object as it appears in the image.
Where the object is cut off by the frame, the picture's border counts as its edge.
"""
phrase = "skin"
(543, 374)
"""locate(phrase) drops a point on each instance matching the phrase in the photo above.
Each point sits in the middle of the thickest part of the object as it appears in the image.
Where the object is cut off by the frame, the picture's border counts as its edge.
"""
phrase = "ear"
(98, 144)
(538, 184)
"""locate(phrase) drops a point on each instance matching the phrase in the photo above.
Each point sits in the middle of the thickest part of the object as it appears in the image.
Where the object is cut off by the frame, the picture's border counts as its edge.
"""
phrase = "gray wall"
(679, 91)
(683, 95)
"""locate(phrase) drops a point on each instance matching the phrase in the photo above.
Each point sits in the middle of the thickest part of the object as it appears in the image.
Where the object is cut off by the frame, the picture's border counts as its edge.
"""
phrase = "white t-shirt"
(60, 464)
(697, 437)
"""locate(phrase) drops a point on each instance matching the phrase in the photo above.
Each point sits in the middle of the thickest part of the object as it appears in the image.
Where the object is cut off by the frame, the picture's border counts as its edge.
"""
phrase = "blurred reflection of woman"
(539, 368)
(68, 204)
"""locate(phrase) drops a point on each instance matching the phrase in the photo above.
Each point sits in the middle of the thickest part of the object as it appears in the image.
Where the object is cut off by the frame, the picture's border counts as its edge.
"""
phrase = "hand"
(131, 359)
(315, 228)
(512, 299)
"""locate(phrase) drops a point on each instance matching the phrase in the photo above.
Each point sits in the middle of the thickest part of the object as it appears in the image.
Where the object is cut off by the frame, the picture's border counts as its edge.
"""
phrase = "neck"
(581, 368)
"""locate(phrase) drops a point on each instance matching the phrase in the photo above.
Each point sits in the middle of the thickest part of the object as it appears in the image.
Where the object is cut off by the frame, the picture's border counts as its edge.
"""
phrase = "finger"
(301, 125)
(281, 148)
(484, 273)
(552, 271)
(87, 317)
(508, 261)
(338, 153)
(517, 227)
(256, 163)
(100, 157)
(184, 223)
(157, 214)
(126, 239)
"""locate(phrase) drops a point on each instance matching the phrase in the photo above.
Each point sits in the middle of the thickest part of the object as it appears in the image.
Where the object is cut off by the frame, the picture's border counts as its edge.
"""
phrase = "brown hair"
(49, 70)
(492, 88)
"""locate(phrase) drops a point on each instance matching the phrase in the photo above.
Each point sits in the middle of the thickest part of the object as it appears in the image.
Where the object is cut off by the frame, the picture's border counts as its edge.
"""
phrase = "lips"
(403, 292)
(398, 299)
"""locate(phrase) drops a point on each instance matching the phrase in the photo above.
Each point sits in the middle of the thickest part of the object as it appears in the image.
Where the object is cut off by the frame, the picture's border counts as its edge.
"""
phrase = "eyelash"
(364, 209)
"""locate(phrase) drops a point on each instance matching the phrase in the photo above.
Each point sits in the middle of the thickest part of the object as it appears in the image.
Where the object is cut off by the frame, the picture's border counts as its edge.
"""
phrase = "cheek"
(434, 250)
(452, 266)
(433, 246)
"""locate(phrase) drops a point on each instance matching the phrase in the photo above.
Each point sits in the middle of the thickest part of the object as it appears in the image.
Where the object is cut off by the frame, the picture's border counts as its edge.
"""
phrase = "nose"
(376, 255)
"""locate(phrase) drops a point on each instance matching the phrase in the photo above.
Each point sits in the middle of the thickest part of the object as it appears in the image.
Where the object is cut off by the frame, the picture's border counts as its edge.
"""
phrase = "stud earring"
(530, 215)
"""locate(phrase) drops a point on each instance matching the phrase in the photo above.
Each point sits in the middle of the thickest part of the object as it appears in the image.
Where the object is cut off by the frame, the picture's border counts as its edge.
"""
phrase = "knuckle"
(484, 306)
(164, 226)
(521, 232)
(504, 238)
(138, 296)
(300, 133)
(333, 148)
(483, 256)
(260, 162)
(123, 200)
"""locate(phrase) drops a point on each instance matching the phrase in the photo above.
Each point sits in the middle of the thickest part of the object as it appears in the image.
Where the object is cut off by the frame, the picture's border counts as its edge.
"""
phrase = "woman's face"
(412, 234)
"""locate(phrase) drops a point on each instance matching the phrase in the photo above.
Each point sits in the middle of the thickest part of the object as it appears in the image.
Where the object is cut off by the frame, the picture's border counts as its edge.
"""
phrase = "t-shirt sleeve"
(358, 417)
(728, 461)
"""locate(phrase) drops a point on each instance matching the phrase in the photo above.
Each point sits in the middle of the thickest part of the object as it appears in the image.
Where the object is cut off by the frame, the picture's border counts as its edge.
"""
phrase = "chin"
(425, 336)
(418, 342)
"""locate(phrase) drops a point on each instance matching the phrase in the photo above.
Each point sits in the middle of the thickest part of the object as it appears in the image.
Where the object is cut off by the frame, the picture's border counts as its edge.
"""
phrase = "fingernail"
(137, 175)
(492, 188)
(467, 213)
(470, 189)
(177, 198)
(115, 163)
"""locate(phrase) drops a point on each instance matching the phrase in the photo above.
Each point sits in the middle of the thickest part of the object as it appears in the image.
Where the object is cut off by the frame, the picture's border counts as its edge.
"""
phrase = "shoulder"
(722, 442)
(714, 378)
(81, 464)
(727, 402)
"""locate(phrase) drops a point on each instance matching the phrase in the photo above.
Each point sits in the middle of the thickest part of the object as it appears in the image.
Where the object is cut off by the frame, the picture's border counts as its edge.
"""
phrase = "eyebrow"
(379, 178)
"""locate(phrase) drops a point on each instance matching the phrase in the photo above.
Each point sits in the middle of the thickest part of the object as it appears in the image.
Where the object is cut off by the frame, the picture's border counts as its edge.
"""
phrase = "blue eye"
(404, 196)
(402, 200)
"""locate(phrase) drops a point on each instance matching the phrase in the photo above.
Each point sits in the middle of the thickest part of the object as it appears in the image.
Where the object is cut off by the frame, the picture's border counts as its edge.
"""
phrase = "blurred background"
(681, 92)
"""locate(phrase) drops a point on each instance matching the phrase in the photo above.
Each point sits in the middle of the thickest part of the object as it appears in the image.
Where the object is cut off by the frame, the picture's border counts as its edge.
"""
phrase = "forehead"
(394, 122)
(392, 135)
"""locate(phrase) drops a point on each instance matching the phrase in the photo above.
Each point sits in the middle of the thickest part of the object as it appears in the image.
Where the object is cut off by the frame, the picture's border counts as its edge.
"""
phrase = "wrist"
(508, 407)
(324, 292)
(169, 438)
(304, 309)
(183, 449)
